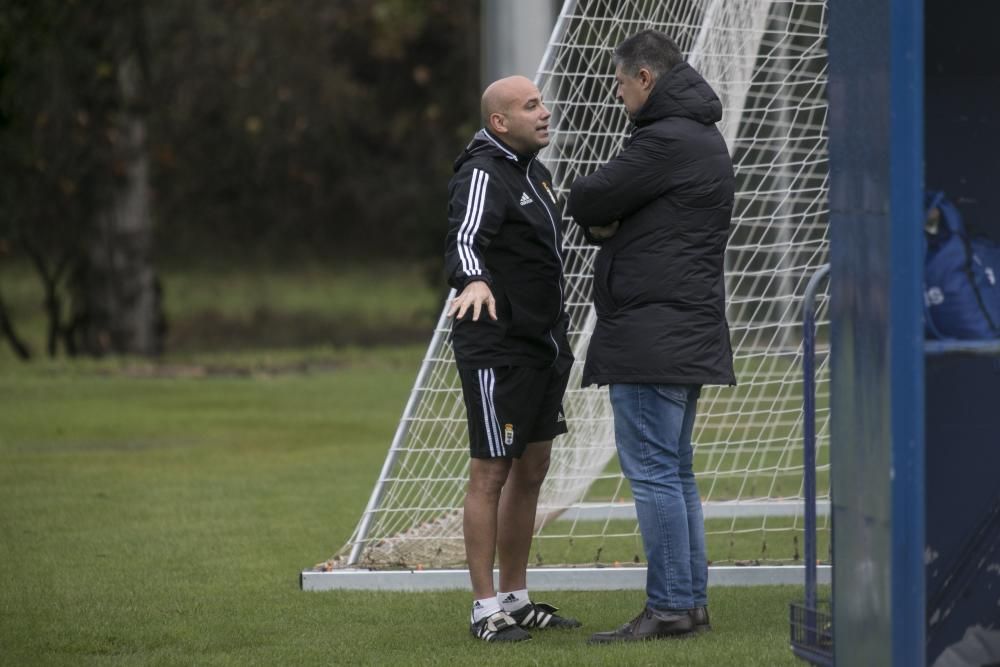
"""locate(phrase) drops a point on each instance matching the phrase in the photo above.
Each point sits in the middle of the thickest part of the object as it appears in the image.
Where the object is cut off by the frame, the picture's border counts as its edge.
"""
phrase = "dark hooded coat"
(659, 282)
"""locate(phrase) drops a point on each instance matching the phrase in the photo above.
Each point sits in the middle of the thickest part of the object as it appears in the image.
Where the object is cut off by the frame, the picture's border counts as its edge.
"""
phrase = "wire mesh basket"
(812, 632)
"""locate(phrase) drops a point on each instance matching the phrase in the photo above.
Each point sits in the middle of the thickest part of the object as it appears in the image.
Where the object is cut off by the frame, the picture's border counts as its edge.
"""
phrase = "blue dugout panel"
(914, 93)
(962, 417)
(963, 502)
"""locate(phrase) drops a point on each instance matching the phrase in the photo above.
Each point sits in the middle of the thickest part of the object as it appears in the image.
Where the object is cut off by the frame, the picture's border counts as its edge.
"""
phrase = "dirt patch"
(257, 369)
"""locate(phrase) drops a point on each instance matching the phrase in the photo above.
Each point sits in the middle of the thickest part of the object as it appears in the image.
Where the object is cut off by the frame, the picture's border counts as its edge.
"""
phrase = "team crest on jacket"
(545, 184)
(508, 434)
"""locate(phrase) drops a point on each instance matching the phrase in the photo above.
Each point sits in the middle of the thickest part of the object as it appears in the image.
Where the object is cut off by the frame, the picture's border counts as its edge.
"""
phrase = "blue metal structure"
(811, 634)
(963, 498)
(962, 378)
(809, 427)
(877, 372)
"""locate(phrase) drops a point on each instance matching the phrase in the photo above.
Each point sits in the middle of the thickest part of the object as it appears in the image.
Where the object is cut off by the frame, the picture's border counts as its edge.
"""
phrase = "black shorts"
(511, 406)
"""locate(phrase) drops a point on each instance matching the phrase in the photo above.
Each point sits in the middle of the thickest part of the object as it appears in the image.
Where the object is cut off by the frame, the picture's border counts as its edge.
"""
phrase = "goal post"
(767, 61)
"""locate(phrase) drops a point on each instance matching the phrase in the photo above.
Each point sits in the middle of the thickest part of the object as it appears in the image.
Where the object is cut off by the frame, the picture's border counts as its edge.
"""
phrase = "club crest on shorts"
(508, 434)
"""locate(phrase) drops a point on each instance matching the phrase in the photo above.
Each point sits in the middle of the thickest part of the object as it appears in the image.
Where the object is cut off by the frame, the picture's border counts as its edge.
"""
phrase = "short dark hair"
(648, 49)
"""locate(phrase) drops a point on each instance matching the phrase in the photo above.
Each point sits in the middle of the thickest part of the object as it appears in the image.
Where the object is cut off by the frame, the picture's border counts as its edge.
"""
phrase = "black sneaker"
(699, 616)
(540, 615)
(498, 627)
(648, 625)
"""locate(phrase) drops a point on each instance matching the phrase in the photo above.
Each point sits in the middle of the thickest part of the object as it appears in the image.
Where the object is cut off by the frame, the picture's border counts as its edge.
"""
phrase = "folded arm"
(625, 184)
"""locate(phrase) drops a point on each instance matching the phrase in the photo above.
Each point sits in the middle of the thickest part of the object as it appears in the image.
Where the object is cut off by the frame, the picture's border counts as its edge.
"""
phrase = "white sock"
(514, 600)
(483, 608)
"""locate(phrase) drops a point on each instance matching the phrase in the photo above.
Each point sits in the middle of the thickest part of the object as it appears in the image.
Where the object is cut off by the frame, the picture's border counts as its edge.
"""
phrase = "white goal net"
(767, 61)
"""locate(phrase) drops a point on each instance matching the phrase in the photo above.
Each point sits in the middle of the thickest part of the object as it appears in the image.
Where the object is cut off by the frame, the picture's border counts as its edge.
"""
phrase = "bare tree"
(117, 304)
(76, 195)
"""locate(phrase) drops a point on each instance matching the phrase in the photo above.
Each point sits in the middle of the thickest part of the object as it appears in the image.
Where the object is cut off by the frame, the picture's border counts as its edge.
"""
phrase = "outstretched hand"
(476, 294)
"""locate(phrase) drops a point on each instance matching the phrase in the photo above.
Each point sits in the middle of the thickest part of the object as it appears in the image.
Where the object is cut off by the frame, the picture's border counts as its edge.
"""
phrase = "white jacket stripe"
(465, 253)
(470, 225)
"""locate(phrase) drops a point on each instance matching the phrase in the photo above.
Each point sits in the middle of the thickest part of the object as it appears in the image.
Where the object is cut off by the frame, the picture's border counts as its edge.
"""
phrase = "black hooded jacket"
(505, 228)
(659, 285)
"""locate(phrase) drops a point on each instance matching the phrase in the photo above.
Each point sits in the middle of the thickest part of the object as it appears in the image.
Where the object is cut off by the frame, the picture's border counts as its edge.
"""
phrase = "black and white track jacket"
(505, 228)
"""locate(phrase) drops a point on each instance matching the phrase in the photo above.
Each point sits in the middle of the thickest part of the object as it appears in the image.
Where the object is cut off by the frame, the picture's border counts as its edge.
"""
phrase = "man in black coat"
(661, 211)
(503, 255)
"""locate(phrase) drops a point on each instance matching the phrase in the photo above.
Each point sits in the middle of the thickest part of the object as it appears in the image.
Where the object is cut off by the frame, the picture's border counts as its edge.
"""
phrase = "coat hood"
(681, 92)
(484, 144)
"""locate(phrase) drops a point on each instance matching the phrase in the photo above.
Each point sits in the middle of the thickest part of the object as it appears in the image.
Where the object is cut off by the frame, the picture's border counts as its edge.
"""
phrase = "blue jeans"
(653, 425)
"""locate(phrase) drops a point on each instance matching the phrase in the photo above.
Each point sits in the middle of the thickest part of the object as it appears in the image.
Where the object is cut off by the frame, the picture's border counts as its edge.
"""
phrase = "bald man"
(504, 258)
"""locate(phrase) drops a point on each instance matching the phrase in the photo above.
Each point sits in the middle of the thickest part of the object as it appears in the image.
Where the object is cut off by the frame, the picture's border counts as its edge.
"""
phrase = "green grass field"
(160, 513)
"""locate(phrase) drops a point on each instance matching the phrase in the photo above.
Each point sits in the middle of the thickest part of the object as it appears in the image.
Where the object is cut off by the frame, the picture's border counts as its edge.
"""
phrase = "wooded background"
(137, 133)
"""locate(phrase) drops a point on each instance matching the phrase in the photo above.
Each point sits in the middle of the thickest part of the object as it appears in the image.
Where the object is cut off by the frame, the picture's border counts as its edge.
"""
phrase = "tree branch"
(50, 283)
(20, 348)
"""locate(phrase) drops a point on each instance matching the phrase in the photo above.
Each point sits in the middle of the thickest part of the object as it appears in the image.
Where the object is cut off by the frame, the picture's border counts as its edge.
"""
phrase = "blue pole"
(906, 332)
(809, 441)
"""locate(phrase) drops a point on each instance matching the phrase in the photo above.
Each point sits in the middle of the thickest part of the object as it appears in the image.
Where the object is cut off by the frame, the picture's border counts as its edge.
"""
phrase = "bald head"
(512, 109)
(504, 93)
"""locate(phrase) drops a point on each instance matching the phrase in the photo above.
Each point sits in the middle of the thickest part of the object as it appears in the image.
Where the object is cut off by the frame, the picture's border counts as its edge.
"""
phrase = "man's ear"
(498, 123)
(646, 78)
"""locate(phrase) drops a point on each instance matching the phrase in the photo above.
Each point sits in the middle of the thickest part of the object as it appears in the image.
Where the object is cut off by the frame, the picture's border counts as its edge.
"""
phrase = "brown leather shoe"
(649, 624)
(699, 617)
